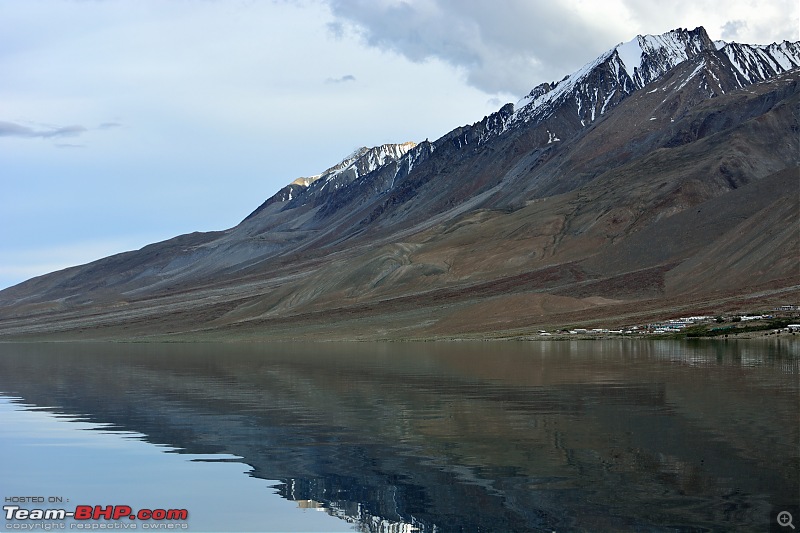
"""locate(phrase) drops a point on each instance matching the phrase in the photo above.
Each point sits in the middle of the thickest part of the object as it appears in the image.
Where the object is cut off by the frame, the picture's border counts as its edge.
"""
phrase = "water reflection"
(594, 436)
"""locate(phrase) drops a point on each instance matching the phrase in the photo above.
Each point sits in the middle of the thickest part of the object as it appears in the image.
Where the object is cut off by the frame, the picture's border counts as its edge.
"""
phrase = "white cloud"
(502, 47)
(513, 45)
(343, 79)
(766, 22)
(11, 129)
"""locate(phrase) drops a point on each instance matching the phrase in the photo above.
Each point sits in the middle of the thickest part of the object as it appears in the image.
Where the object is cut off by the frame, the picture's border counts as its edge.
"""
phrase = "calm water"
(552, 436)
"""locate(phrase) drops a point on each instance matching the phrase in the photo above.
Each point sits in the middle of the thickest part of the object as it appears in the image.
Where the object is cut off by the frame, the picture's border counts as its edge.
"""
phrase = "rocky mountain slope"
(660, 178)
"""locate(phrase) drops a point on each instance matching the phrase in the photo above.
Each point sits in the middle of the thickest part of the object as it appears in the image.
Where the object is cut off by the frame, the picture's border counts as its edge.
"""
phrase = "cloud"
(732, 29)
(66, 131)
(345, 78)
(336, 30)
(767, 22)
(68, 145)
(11, 129)
(511, 46)
(500, 50)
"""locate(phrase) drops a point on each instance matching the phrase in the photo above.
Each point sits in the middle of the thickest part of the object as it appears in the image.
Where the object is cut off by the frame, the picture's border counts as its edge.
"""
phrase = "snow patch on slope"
(362, 161)
(630, 54)
(758, 63)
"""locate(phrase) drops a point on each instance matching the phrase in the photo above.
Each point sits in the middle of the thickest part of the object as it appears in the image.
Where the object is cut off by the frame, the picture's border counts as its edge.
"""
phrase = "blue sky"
(125, 122)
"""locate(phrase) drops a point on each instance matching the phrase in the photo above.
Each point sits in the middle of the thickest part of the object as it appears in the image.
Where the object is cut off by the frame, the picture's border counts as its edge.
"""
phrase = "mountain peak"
(603, 82)
(634, 64)
(647, 57)
(361, 161)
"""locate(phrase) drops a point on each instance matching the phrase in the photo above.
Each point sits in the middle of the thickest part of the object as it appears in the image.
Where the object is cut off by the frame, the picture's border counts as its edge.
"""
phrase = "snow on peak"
(760, 62)
(647, 57)
(361, 161)
(630, 54)
(633, 65)
(541, 95)
(365, 160)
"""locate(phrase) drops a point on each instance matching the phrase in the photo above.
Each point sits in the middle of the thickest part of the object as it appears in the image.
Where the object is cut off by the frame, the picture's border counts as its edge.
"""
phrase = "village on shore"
(782, 320)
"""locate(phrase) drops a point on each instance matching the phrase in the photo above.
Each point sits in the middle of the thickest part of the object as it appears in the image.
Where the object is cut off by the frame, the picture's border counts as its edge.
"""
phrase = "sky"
(127, 122)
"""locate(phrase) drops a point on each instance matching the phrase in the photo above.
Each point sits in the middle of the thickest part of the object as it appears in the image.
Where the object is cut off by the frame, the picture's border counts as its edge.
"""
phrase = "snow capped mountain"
(648, 57)
(359, 163)
(362, 161)
(602, 83)
(561, 198)
(759, 63)
(560, 109)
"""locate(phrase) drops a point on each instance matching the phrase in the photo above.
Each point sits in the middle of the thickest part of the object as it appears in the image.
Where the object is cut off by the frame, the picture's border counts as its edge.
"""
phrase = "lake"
(611, 435)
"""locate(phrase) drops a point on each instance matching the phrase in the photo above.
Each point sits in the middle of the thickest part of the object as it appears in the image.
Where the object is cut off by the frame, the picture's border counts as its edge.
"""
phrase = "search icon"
(785, 519)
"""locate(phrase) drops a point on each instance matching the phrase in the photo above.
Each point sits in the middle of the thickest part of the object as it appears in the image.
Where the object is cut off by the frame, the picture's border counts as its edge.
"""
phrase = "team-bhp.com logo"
(88, 517)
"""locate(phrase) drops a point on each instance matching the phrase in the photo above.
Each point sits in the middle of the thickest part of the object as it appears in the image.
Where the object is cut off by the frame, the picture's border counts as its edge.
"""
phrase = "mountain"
(651, 182)
(359, 163)
(630, 66)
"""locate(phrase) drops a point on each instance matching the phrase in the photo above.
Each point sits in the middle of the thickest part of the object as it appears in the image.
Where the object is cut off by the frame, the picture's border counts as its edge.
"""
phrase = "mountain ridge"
(557, 197)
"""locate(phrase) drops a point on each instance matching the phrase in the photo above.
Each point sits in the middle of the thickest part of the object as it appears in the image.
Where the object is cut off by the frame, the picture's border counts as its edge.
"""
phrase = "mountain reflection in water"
(593, 435)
